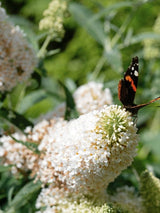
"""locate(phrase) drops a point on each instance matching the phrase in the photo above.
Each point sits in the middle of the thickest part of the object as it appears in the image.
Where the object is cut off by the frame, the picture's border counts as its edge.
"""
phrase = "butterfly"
(127, 88)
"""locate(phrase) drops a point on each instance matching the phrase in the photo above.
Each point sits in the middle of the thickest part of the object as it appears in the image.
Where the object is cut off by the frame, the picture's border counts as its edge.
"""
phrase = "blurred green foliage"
(100, 39)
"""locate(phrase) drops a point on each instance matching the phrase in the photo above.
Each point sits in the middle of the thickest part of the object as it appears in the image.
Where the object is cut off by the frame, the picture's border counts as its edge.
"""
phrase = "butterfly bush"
(83, 156)
(25, 159)
(17, 58)
(88, 153)
(78, 159)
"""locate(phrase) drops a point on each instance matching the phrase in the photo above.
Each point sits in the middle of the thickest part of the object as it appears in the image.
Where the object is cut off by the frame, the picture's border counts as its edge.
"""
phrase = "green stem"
(42, 51)
(98, 67)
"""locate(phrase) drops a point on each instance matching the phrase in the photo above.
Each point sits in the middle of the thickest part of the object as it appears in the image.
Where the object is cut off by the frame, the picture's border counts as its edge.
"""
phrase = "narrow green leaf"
(15, 118)
(17, 95)
(32, 146)
(84, 17)
(71, 111)
(24, 195)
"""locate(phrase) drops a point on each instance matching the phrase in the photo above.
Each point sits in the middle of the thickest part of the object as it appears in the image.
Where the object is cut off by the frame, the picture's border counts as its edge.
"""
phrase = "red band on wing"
(119, 89)
(128, 78)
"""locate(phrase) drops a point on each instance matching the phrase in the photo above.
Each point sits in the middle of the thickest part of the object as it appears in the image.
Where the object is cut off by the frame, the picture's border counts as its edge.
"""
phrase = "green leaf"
(31, 99)
(17, 95)
(84, 17)
(71, 111)
(15, 118)
(24, 195)
(32, 146)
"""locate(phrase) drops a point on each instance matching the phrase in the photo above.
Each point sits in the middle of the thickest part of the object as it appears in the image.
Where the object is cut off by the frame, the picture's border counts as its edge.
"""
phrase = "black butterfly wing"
(127, 86)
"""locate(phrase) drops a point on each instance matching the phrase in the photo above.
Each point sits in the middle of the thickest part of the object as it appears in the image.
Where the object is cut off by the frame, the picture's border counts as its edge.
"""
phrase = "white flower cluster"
(54, 17)
(88, 153)
(91, 96)
(17, 154)
(17, 58)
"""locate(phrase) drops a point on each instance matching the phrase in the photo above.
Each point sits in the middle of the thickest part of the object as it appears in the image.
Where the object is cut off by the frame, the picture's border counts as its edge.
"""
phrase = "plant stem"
(42, 51)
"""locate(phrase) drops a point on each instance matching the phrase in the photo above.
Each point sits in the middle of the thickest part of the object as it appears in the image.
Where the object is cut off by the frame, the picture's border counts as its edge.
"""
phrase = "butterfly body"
(127, 88)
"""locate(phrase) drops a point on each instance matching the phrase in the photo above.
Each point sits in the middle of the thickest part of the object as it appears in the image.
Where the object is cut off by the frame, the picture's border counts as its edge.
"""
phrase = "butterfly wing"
(127, 87)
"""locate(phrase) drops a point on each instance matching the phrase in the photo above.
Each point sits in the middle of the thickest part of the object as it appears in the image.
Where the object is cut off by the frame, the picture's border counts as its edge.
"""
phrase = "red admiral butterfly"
(127, 88)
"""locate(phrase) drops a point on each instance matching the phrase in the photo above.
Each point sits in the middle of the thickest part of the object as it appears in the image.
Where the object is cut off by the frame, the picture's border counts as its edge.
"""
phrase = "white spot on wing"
(136, 73)
(132, 68)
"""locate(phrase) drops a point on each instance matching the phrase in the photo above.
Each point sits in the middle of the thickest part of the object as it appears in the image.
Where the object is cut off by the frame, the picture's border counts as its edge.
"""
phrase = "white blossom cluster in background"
(54, 17)
(91, 96)
(17, 58)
